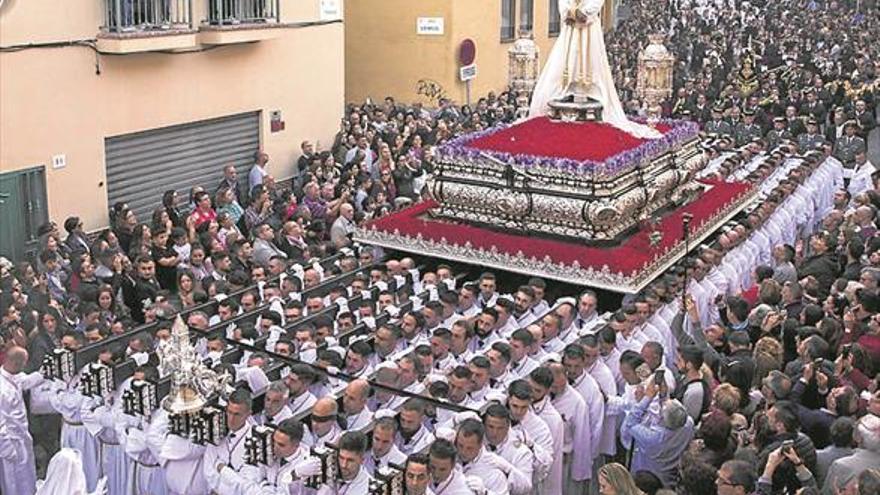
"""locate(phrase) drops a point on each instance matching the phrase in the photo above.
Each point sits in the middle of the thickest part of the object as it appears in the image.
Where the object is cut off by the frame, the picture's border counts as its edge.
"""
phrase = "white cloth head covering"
(445, 433)
(565, 300)
(385, 413)
(459, 417)
(65, 475)
(255, 377)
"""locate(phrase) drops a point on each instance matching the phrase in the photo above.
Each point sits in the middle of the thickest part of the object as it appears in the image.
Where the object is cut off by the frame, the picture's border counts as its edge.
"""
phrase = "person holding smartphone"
(657, 446)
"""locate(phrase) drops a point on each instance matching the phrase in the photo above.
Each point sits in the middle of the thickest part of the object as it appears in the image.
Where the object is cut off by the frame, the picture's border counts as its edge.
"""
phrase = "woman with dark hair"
(109, 236)
(141, 242)
(199, 262)
(716, 443)
(186, 288)
(123, 227)
(46, 338)
(737, 374)
(110, 310)
(25, 273)
(161, 219)
(169, 201)
(51, 243)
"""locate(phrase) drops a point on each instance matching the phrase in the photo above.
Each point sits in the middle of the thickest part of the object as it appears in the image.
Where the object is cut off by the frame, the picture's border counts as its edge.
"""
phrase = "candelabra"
(654, 82)
(522, 73)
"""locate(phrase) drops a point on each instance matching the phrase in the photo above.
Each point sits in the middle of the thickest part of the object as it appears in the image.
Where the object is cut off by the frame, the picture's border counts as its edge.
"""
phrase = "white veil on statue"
(550, 83)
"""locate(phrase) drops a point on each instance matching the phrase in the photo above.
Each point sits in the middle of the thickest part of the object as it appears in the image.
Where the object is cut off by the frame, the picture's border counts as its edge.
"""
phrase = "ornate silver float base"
(587, 208)
(575, 273)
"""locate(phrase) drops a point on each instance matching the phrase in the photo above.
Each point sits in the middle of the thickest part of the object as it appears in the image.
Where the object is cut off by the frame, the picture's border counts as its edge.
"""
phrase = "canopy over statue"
(578, 68)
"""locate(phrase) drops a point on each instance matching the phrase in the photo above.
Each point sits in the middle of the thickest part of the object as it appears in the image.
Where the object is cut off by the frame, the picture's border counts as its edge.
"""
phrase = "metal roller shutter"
(141, 166)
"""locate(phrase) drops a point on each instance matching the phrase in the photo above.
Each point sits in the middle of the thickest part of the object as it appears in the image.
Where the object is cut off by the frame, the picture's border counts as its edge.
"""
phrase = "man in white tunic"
(446, 477)
(413, 437)
(180, 458)
(354, 404)
(298, 381)
(291, 464)
(353, 478)
(382, 449)
(100, 419)
(70, 403)
(540, 382)
(324, 422)
(578, 445)
(521, 364)
(17, 469)
(510, 448)
(477, 462)
(579, 55)
(574, 360)
(145, 476)
(275, 406)
(605, 379)
(229, 452)
(534, 433)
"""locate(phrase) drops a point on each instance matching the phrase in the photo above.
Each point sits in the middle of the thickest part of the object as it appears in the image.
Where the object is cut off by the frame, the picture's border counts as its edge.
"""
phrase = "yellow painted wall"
(385, 56)
(52, 102)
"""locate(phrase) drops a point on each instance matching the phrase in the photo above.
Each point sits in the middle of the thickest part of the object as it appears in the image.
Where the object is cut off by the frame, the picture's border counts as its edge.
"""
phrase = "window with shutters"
(508, 20)
(526, 16)
(553, 19)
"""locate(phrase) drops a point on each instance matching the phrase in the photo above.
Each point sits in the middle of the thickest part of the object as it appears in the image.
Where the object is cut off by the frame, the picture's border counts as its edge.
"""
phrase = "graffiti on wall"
(430, 89)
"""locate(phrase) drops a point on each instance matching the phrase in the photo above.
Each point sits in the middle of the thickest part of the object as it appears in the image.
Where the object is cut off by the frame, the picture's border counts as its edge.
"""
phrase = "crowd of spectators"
(752, 366)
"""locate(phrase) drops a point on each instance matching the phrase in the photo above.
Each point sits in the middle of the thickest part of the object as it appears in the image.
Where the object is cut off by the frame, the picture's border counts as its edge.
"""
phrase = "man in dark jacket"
(822, 265)
(141, 289)
(816, 423)
(784, 422)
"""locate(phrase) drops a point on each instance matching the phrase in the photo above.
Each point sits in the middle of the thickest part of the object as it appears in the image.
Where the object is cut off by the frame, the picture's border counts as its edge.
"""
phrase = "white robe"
(112, 461)
(549, 84)
(522, 459)
(589, 389)
(605, 379)
(493, 478)
(578, 435)
(230, 452)
(545, 410)
(180, 458)
(265, 480)
(534, 433)
(17, 469)
(64, 475)
(394, 455)
(145, 476)
(69, 403)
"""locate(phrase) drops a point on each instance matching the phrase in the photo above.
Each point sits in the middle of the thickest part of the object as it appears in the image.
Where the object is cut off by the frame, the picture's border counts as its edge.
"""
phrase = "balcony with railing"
(132, 26)
(239, 21)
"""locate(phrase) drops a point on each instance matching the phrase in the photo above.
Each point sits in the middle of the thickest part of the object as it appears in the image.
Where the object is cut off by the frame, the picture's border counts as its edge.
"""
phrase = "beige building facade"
(410, 49)
(90, 88)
